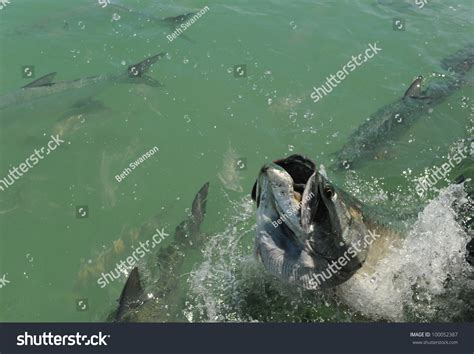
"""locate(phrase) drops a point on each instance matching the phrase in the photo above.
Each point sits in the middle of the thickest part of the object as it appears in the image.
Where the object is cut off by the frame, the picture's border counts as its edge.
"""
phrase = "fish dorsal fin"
(198, 208)
(132, 293)
(414, 91)
(42, 81)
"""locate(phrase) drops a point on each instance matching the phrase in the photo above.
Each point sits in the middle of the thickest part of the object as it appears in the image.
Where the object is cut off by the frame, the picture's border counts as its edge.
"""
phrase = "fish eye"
(328, 192)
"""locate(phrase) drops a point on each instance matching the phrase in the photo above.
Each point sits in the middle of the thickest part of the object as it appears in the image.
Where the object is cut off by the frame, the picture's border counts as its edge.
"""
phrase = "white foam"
(410, 284)
(212, 281)
(412, 278)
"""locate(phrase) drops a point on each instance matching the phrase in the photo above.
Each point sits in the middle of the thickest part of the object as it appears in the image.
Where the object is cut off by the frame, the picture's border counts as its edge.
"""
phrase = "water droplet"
(292, 116)
(188, 212)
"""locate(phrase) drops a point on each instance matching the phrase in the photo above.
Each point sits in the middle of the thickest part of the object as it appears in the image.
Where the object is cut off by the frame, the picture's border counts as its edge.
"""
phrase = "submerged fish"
(171, 22)
(165, 298)
(60, 22)
(44, 95)
(394, 119)
(91, 270)
(229, 175)
(76, 118)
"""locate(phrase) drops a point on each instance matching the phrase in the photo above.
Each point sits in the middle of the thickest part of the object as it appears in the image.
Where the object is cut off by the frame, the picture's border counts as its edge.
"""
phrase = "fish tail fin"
(136, 72)
(131, 294)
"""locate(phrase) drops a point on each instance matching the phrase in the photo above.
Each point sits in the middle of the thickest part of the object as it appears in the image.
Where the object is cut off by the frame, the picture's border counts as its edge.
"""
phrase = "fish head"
(306, 225)
(176, 20)
(461, 61)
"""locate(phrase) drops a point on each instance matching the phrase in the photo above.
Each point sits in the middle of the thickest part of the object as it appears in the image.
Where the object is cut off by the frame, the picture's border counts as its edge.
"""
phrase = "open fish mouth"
(305, 225)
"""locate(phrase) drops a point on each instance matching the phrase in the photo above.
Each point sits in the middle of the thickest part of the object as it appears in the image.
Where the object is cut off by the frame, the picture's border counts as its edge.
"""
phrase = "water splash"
(421, 280)
(413, 281)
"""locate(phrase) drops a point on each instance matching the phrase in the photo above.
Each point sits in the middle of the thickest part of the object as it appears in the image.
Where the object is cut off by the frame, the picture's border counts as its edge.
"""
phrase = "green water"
(200, 118)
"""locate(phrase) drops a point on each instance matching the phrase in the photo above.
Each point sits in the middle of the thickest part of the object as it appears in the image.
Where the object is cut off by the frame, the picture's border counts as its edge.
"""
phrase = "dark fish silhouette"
(165, 304)
(392, 120)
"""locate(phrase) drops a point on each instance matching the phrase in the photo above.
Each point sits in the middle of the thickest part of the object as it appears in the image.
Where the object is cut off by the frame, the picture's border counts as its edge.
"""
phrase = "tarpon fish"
(391, 121)
(309, 232)
(171, 22)
(229, 175)
(463, 173)
(44, 95)
(175, 21)
(91, 270)
(62, 21)
(312, 235)
(162, 302)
